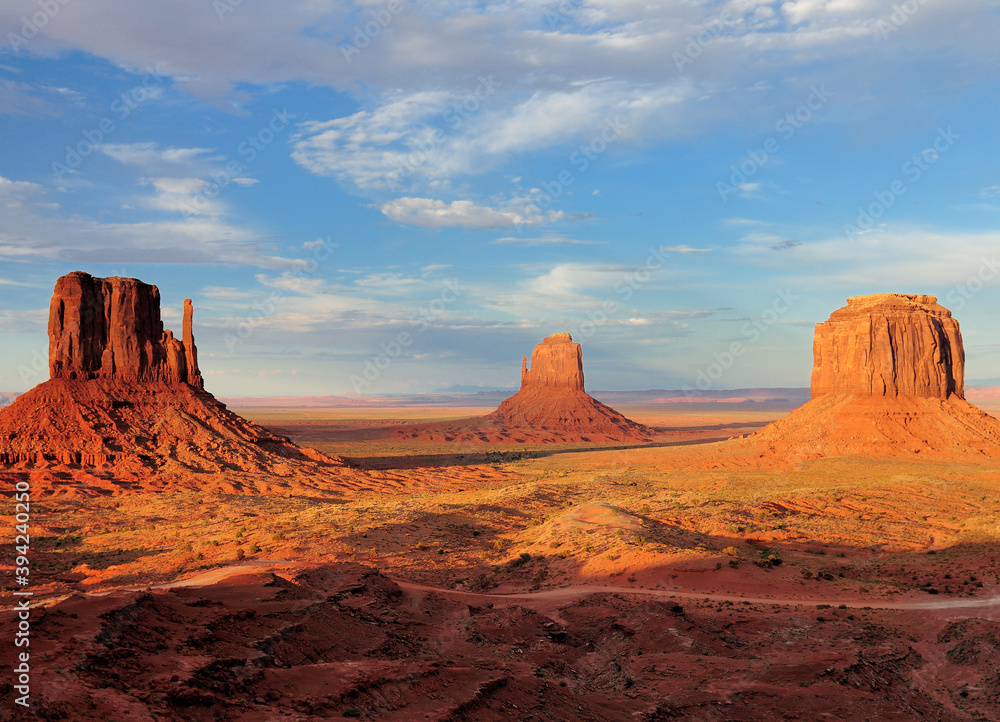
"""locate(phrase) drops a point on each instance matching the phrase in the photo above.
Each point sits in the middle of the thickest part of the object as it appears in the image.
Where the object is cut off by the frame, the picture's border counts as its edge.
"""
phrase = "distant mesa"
(552, 397)
(551, 407)
(126, 401)
(888, 380)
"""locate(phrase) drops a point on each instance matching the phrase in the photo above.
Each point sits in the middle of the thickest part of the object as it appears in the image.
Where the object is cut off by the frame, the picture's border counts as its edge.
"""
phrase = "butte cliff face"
(888, 380)
(110, 328)
(556, 364)
(552, 400)
(126, 402)
(550, 408)
(889, 345)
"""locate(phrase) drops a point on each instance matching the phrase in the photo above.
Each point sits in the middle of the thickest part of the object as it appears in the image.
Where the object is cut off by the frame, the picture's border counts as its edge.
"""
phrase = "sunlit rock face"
(889, 345)
(552, 398)
(110, 328)
(555, 362)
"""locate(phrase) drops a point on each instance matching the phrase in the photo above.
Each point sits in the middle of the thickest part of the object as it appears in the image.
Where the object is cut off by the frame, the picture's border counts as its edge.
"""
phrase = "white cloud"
(800, 11)
(546, 239)
(151, 158)
(180, 177)
(905, 257)
(684, 249)
(568, 280)
(750, 190)
(430, 213)
(22, 99)
(32, 227)
(10, 189)
(553, 86)
(414, 137)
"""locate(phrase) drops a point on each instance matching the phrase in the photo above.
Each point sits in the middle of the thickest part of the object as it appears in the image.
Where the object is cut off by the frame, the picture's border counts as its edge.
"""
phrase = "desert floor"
(678, 579)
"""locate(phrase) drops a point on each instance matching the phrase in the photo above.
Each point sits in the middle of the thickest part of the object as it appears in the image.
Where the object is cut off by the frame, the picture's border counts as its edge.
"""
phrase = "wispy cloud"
(683, 249)
(546, 239)
(430, 213)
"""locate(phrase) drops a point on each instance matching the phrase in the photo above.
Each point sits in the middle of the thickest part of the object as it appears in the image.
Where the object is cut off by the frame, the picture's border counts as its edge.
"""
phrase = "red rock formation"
(110, 328)
(126, 396)
(889, 345)
(190, 350)
(552, 400)
(556, 362)
(888, 380)
(551, 408)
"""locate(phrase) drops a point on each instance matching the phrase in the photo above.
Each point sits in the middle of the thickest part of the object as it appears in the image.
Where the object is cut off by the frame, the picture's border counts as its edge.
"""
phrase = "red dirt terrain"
(188, 564)
(336, 641)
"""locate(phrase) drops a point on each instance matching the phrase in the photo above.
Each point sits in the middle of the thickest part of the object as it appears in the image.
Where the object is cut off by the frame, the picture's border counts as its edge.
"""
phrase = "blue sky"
(394, 196)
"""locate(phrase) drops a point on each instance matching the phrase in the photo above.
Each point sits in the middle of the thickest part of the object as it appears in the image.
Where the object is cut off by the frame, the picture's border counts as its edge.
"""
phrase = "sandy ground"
(526, 583)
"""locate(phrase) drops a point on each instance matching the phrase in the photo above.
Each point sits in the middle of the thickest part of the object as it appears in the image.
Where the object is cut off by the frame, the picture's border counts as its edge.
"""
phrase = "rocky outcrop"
(110, 328)
(190, 350)
(556, 362)
(889, 345)
(888, 381)
(126, 403)
(551, 407)
(552, 400)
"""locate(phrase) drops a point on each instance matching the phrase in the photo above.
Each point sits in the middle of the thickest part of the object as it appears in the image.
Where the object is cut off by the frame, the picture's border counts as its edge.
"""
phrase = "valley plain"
(672, 580)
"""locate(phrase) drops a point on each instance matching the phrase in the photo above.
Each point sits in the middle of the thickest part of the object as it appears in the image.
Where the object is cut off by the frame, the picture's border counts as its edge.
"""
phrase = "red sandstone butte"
(888, 380)
(889, 345)
(551, 408)
(556, 362)
(126, 402)
(552, 398)
(110, 328)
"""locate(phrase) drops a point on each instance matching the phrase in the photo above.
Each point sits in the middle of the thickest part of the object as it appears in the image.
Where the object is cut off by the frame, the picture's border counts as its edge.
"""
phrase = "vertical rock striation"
(552, 401)
(190, 350)
(888, 381)
(556, 362)
(110, 328)
(127, 396)
(889, 345)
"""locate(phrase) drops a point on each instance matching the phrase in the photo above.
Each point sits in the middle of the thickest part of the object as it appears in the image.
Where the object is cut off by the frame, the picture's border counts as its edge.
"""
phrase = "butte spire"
(125, 405)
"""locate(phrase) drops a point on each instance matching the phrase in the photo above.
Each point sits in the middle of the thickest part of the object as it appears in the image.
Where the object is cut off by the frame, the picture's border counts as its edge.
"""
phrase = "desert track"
(991, 605)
